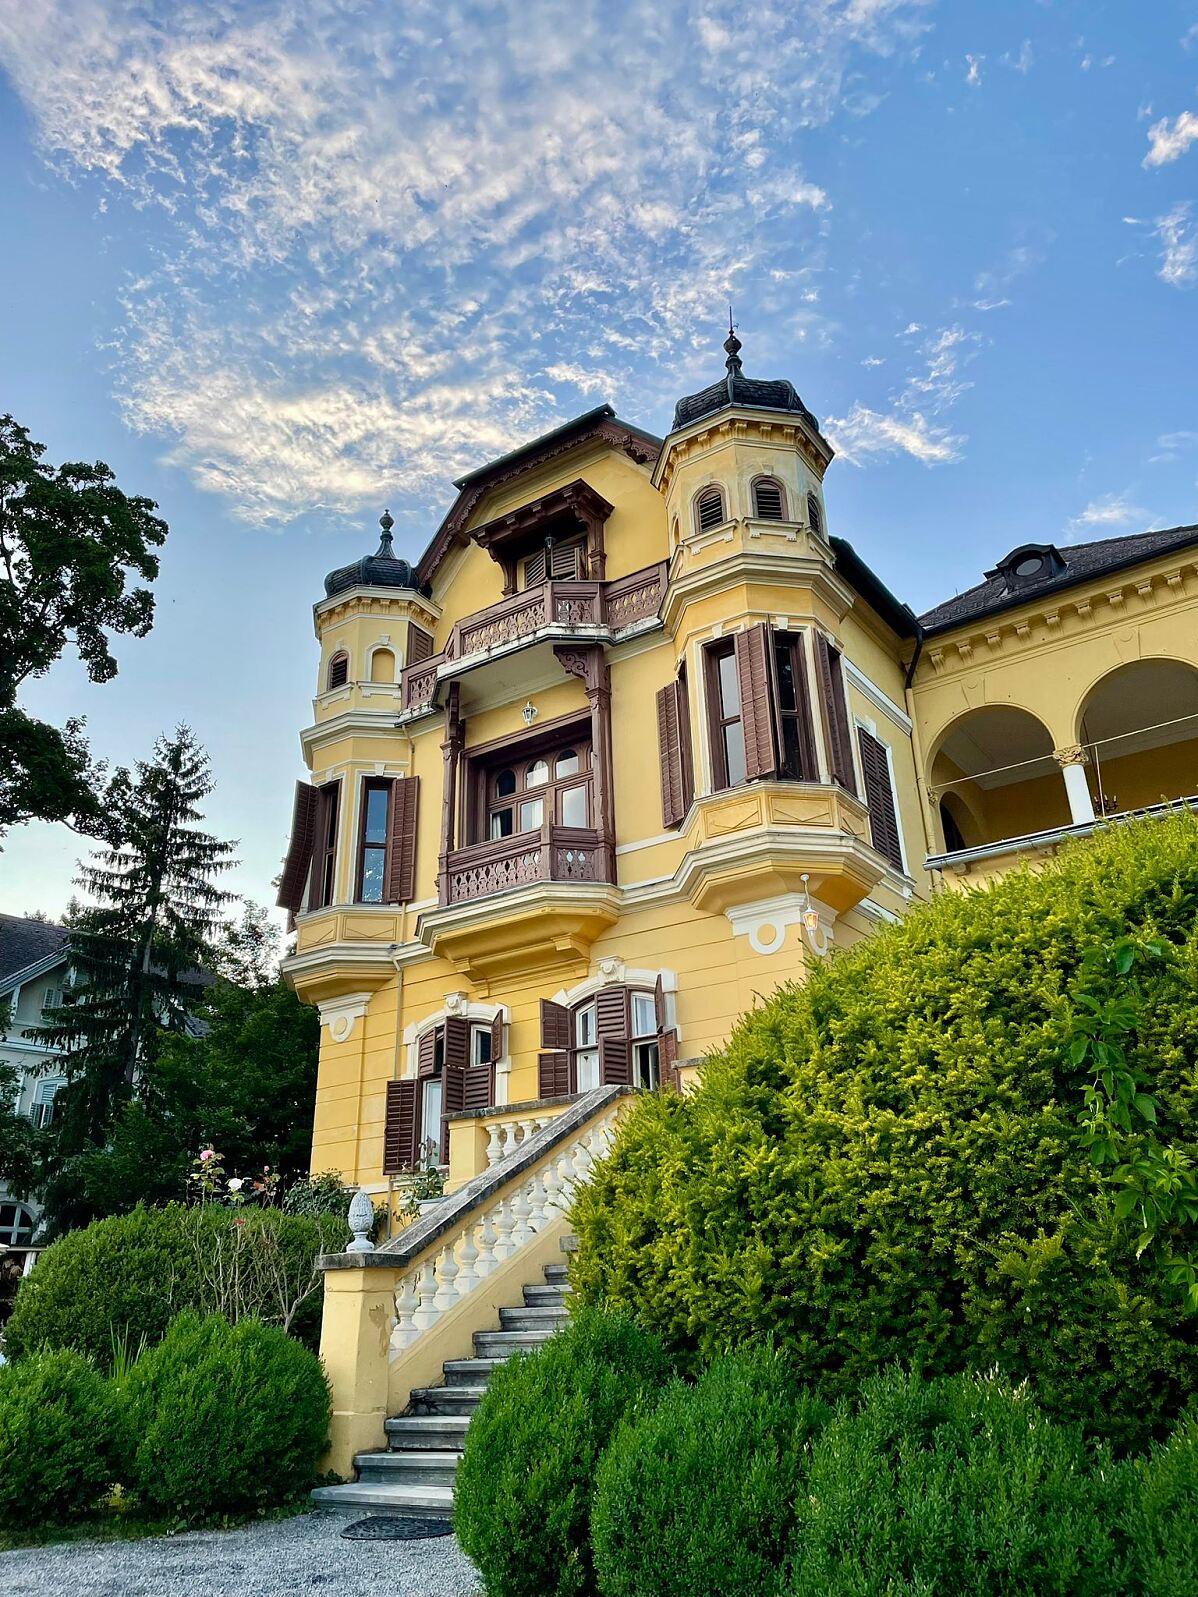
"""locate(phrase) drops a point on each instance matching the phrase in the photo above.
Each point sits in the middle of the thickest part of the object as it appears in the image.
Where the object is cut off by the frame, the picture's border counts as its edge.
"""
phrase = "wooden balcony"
(564, 605)
(550, 854)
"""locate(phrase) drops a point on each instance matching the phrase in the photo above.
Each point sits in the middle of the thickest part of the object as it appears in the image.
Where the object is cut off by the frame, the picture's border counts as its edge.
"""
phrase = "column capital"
(1071, 754)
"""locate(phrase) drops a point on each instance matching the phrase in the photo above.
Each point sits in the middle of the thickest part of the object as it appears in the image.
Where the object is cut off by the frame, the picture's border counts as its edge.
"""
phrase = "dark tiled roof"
(737, 389)
(380, 570)
(23, 942)
(1074, 564)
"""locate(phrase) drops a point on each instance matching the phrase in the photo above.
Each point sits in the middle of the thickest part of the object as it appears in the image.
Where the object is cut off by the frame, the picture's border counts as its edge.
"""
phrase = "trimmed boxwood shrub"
(522, 1499)
(884, 1164)
(698, 1494)
(59, 1439)
(1161, 1519)
(224, 1419)
(127, 1277)
(959, 1485)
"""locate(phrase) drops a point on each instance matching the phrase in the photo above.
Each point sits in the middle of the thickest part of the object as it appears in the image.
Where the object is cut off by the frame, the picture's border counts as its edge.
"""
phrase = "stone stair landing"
(413, 1477)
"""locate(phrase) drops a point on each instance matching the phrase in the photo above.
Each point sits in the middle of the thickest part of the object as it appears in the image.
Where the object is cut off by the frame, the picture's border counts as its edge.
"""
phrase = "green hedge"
(127, 1277)
(60, 1439)
(1160, 1519)
(224, 1420)
(698, 1495)
(883, 1165)
(522, 1499)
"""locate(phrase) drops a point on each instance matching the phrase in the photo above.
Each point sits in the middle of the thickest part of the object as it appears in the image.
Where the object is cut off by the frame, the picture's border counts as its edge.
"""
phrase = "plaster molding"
(611, 971)
(766, 922)
(457, 1005)
(341, 1014)
(877, 696)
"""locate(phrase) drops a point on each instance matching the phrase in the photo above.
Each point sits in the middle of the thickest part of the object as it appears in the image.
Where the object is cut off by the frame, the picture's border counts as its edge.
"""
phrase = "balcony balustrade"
(610, 606)
(549, 854)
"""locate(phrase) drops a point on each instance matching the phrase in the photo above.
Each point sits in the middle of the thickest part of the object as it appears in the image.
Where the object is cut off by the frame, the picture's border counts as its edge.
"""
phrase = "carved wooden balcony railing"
(550, 854)
(611, 605)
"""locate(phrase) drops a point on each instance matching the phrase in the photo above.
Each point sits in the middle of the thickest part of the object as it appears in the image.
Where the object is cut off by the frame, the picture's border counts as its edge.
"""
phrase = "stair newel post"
(505, 1222)
(487, 1239)
(494, 1146)
(468, 1276)
(426, 1291)
(447, 1274)
(406, 1304)
(521, 1209)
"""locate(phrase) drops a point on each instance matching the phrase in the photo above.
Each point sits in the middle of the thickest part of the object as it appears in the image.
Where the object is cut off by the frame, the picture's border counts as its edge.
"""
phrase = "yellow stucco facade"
(909, 757)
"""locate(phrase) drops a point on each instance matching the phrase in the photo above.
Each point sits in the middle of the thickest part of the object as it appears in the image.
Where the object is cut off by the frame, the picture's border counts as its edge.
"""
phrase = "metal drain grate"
(390, 1528)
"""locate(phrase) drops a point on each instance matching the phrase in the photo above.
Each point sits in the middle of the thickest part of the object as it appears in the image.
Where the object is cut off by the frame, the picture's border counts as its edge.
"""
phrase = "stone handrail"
(441, 1258)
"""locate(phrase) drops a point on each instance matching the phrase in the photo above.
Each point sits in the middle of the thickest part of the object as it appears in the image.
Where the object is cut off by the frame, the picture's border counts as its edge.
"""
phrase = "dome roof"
(737, 389)
(379, 570)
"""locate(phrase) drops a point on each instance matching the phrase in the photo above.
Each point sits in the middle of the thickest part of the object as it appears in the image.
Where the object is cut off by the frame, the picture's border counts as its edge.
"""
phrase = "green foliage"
(71, 545)
(323, 1194)
(698, 1494)
(960, 1485)
(1160, 1520)
(884, 1164)
(59, 1438)
(522, 1500)
(225, 1419)
(127, 1277)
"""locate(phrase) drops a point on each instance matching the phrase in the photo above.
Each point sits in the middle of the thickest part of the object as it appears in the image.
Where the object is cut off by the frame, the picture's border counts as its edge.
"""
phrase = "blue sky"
(283, 263)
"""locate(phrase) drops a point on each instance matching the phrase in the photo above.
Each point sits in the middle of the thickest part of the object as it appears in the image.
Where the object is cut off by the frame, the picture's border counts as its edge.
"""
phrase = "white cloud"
(1021, 61)
(974, 76)
(1178, 236)
(910, 425)
(387, 231)
(1167, 141)
(1173, 445)
(1112, 510)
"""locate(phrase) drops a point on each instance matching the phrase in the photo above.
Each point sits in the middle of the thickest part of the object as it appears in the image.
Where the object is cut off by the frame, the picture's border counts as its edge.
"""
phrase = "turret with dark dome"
(380, 570)
(737, 389)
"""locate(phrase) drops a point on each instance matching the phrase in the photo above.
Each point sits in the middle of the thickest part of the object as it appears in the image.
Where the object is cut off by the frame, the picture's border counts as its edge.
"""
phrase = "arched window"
(382, 666)
(537, 774)
(16, 1225)
(338, 670)
(768, 501)
(953, 838)
(815, 515)
(709, 509)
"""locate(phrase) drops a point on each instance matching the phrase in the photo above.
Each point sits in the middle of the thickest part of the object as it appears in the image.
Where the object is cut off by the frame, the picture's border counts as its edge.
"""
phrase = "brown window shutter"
(299, 849)
(426, 1054)
(553, 1075)
(420, 644)
(754, 670)
(535, 568)
(453, 1089)
(479, 1087)
(615, 1062)
(667, 1058)
(879, 795)
(555, 1025)
(401, 840)
(611, 1013)
(563, 561)
(497, 1037)
(807, 754)
(675, 801)
(659, 1003)
(400, 1129)
(457, 1043)
(836, 712)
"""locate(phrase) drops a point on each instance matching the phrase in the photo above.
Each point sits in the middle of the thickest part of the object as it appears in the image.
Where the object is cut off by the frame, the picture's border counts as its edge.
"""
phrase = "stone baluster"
(538, 1217)
(554, 1200)
(426, 1291)
(487, 1238)
(527, 1129)
(406, 1304)
(521, 1208)
(505, 1223)
(494, 1145)
(508, 1133)
(468, 1276)
(447, 1274)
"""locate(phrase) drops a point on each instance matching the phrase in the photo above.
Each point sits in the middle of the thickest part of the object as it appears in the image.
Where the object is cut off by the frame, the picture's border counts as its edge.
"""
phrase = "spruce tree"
(137, 953)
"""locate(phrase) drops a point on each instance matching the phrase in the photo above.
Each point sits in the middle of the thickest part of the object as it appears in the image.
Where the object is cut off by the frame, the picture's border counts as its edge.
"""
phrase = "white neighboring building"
(34, 961)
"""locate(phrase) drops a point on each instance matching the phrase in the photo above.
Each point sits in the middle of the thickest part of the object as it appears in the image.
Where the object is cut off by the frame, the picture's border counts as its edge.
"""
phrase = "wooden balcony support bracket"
(589, 663)
(451, 751)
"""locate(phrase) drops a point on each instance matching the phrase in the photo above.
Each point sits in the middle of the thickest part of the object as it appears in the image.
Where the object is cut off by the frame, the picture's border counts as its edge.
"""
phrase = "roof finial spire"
(733, 346)
(386, 522)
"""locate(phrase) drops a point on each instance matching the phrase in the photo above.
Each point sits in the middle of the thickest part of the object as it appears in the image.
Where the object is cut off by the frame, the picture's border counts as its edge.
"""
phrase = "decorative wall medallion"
(767, 922)
(340, 1014)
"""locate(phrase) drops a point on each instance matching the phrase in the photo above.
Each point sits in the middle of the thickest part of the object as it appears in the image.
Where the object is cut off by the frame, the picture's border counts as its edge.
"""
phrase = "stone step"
(438, 1432)
(556, 1274)
(551, 1296)
(425, 1466)
(540, 1317)
(502, 1344)
(405, 1500)
(469, 1372)
(447, 1399)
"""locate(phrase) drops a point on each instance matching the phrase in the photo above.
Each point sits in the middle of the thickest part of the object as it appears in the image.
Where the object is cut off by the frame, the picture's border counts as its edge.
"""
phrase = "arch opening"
(994, 776)
(1139, 728)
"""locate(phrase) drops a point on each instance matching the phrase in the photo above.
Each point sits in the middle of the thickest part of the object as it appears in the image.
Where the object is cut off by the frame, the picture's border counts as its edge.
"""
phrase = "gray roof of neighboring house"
(27, 942)
(1068, 566)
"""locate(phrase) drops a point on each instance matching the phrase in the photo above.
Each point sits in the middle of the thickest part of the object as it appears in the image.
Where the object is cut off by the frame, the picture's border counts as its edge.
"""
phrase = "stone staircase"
(414, 1476)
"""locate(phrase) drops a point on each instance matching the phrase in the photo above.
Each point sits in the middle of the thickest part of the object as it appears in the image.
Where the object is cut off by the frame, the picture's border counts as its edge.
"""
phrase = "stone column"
(1072, 761)
(451, 751)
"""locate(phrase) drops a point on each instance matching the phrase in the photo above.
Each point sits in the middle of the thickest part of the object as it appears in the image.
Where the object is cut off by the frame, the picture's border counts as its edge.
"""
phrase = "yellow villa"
(635, 739)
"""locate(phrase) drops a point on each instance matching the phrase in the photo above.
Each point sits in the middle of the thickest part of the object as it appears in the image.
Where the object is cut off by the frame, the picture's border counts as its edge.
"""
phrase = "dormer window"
(768, 503)
(338, 674)
(1029, 565)
(709, 509)
(815, 515)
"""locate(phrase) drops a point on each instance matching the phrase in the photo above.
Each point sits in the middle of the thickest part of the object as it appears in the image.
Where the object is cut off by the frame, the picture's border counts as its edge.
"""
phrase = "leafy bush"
(226, 1419)
(1161, 1518)
(958, 1485)
(323, 1194)
(59, 1438)
(698, 1494)
(129, 1276)
(522, 1501)
(885, 1163)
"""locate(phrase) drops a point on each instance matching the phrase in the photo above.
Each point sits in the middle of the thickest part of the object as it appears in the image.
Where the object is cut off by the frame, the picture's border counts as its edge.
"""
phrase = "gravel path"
(276, 1558)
